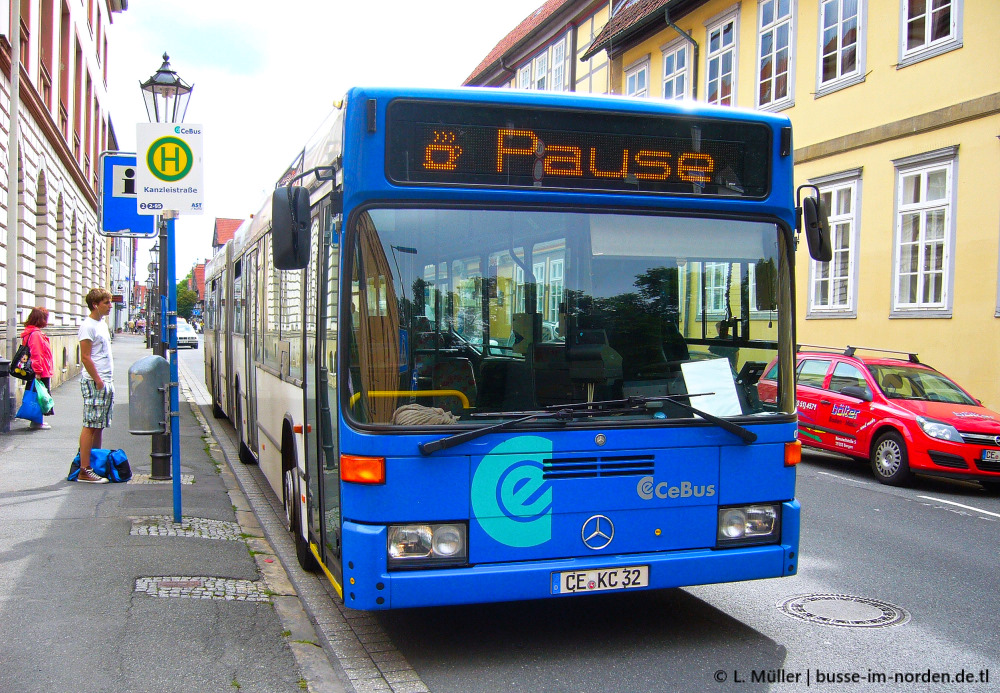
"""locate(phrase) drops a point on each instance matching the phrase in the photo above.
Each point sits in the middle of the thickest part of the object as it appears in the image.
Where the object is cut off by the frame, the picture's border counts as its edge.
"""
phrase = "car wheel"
(890, 461)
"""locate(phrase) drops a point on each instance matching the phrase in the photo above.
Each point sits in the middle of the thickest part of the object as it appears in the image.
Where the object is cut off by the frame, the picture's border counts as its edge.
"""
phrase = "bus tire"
(291, 493)
(890, 461)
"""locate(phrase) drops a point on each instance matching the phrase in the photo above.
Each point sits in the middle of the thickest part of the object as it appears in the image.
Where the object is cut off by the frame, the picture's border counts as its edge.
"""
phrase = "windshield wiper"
(638, 403)
(563, 415)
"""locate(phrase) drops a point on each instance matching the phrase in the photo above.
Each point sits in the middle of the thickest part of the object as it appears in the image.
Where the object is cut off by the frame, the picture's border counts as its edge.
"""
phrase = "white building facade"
(62, 124)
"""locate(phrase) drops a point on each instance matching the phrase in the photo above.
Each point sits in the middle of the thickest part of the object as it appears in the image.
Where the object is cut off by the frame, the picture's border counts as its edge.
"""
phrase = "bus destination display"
(487, 145)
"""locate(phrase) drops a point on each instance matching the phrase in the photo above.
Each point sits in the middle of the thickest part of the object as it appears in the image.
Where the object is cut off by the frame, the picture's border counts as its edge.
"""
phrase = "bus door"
(252, 318)
(323, 467)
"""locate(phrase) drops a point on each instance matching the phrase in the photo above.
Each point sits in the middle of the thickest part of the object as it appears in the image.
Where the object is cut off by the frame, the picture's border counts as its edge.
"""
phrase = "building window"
(774, 76)
(722, 61)
(928, 28)
(716, 281)
(541, 63)
(546, 70)
(637, 79)
(833, 285)
(842, 44)
(524, 77)
(559, 66)
(924, 233)
(675, 72)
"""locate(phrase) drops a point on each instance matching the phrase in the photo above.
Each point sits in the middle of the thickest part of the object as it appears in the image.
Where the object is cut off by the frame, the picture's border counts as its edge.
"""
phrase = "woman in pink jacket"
(41, 351)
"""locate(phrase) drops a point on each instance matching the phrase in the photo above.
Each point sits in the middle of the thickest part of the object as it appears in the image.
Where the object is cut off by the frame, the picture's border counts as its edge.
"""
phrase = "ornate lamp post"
(166, 96)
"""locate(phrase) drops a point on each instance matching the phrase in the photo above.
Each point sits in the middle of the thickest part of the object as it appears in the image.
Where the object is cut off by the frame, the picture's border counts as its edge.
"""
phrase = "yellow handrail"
(414, 393)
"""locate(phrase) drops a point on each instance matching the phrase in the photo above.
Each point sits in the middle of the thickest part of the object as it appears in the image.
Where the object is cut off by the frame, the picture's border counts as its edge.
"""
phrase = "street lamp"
(167, 96)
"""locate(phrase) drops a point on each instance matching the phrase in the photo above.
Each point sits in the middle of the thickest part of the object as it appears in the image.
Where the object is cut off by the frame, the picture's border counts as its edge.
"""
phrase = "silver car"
(186, 336)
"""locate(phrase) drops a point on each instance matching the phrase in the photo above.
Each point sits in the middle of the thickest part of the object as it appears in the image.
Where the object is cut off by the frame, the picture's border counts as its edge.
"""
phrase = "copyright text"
(824, 677)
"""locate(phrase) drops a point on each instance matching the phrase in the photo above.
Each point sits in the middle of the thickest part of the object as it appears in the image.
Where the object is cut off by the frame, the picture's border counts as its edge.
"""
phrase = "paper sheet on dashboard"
(715, 376)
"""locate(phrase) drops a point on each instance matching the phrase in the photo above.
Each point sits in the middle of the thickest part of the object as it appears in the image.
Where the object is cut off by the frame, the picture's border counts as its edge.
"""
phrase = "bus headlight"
(749, 524)
(424, 545)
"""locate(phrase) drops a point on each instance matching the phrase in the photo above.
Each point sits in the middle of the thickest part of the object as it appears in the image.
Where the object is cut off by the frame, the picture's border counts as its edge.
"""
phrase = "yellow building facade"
(895, 106)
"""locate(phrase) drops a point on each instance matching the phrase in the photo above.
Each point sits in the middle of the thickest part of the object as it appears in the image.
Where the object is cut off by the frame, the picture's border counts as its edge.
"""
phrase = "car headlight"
(425, 545)
(749, 524)
(939, 430)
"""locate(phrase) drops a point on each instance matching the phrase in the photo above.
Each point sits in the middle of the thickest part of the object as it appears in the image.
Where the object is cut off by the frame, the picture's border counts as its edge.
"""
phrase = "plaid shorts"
(97, 404)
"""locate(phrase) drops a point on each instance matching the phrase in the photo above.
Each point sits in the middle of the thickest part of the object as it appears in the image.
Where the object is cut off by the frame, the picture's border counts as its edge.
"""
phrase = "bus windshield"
(471, 315)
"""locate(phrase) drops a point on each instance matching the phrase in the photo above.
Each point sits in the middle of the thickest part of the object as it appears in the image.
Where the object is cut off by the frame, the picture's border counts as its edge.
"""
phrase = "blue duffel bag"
(111, 464)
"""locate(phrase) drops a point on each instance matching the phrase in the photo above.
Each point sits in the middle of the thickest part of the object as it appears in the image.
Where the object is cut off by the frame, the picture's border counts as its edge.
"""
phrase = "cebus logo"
(648, 487)
(511, 500)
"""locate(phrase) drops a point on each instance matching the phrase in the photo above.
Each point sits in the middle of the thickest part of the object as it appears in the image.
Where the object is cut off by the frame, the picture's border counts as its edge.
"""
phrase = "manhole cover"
(844, 610)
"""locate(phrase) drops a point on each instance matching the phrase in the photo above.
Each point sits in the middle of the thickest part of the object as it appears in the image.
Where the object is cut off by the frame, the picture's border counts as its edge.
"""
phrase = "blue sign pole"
(175, 422)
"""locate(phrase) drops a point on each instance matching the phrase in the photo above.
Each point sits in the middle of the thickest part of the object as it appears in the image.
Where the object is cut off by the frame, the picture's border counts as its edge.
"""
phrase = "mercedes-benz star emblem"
(598, 531)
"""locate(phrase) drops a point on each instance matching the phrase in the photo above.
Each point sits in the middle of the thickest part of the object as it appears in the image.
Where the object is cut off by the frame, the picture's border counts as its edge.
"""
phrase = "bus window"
(546, 309)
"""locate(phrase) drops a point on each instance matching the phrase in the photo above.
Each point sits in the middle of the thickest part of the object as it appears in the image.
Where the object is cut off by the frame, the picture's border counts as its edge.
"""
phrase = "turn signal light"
(362, 470)
(793, 453)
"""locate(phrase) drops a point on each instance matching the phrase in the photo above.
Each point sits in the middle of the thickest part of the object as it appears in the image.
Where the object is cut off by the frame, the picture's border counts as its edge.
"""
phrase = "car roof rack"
(850, 350)
(911, 357)
(821, 347)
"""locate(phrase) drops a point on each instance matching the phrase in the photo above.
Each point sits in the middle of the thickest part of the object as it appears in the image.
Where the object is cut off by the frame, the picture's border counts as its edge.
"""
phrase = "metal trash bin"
(7, 400)
(149, 396)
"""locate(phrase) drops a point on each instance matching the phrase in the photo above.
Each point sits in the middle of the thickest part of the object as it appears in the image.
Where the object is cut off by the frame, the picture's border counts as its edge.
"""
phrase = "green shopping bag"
(44, 398)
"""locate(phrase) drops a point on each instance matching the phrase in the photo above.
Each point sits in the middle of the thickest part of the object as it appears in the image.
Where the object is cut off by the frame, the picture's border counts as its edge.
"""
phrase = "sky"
(266, 74)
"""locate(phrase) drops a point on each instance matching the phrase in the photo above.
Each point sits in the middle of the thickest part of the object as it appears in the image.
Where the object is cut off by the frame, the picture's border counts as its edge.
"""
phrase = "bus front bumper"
(368, 585)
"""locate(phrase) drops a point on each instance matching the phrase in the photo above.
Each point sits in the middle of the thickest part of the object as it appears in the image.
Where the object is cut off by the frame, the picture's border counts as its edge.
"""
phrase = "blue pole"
(175, 423)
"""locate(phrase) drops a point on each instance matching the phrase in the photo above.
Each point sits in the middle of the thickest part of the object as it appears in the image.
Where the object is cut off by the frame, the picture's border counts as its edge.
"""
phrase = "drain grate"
(844, 610)
(225, 589)
(164, 526)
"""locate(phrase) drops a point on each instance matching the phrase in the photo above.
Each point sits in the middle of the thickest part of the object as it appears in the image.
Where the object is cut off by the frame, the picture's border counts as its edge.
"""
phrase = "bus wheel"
(890, 462)
(290, 486)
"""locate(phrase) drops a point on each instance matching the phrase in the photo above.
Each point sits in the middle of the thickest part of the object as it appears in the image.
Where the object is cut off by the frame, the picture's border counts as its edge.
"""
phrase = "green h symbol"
(176, 158)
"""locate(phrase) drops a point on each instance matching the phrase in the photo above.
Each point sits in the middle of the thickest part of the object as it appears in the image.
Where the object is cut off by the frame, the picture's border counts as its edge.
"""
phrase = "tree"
(187, 297)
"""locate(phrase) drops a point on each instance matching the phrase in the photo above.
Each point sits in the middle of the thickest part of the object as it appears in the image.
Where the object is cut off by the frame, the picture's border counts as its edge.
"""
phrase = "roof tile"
(530, 23)
(224, 231)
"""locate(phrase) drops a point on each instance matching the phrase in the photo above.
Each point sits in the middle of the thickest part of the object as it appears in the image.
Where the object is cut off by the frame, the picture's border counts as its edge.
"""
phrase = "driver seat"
(892, 384)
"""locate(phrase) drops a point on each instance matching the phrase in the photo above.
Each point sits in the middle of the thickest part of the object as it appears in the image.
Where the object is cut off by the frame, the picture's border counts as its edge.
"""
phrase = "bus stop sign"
(170, 175)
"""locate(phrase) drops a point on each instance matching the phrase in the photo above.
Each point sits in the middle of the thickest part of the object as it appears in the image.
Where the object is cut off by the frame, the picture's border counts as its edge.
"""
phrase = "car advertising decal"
(511, 500)
(844, 411)
(973, 415)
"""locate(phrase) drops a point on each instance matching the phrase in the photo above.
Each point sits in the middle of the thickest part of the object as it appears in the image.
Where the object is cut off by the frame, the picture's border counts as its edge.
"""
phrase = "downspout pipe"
(13, 180)
(694, 44)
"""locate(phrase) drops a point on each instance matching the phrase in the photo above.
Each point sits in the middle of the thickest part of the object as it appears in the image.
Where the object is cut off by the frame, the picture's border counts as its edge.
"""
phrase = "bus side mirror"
(290, 227)
(766, 285)
(817, 228)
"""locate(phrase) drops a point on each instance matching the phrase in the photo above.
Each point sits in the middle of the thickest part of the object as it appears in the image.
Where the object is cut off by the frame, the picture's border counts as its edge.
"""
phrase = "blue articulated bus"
(490, 345)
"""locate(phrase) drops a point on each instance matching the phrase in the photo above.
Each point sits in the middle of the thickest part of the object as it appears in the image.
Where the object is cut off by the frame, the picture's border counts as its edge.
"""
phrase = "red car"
(901, 415)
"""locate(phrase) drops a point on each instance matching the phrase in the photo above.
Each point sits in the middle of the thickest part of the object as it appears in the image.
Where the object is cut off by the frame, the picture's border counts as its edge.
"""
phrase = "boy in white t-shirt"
(96, 381)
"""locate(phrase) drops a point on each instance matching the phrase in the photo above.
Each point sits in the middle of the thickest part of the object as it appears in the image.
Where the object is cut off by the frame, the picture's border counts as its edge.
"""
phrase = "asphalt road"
(914, 568)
